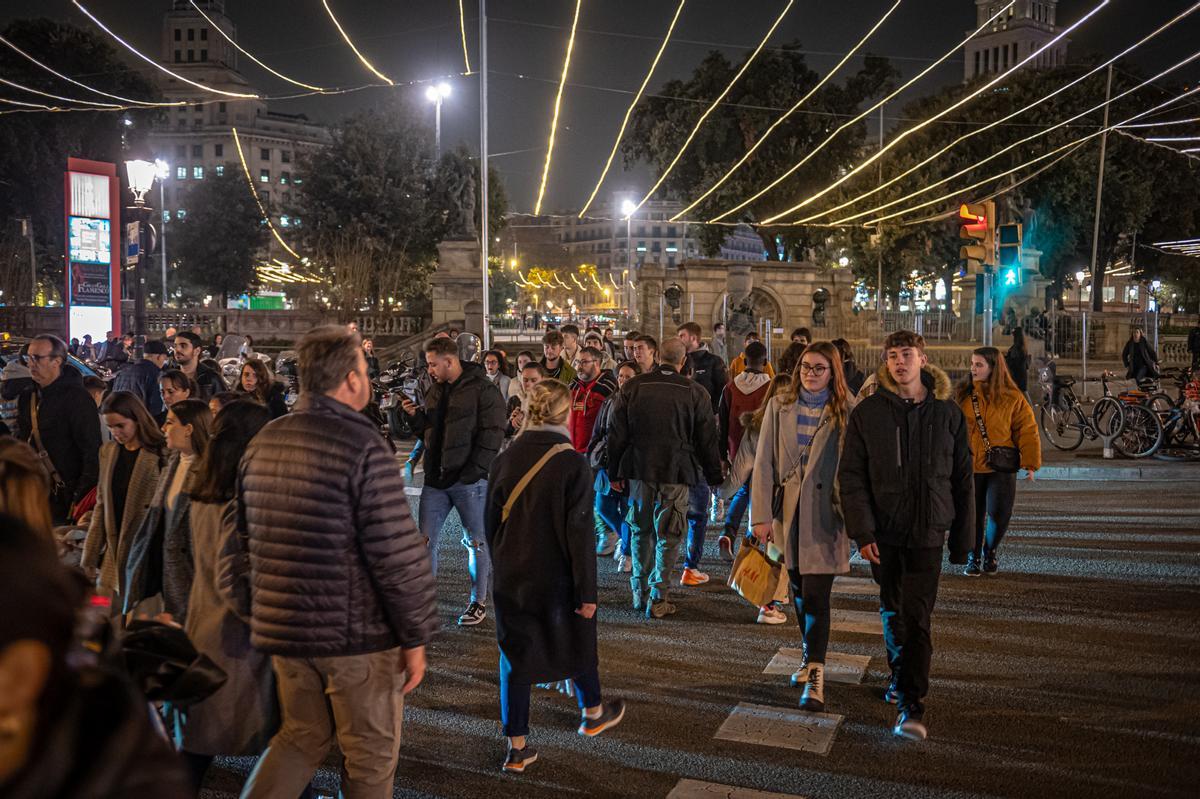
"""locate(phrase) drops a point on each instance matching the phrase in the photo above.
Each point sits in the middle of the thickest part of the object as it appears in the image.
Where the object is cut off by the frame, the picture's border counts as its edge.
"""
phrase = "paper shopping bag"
(754, 577)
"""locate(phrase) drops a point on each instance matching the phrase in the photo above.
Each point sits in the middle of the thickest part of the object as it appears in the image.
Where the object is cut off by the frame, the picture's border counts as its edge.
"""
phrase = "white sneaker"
(769, 614)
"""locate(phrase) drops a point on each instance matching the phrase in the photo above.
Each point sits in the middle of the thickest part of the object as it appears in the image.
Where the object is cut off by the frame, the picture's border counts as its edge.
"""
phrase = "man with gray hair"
(342, 594)
(663, 439)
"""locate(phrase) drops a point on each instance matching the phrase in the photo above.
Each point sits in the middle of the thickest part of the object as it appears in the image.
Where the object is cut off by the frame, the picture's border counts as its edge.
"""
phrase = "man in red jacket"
(590, 388)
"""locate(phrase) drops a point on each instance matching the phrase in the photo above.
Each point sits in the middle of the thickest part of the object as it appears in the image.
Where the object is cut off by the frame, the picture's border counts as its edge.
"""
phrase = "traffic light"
(978, 231)
(1009, 258)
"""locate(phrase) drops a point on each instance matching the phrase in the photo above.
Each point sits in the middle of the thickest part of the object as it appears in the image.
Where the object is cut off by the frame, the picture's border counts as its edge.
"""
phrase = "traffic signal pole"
(987, 306)
(1097, 283)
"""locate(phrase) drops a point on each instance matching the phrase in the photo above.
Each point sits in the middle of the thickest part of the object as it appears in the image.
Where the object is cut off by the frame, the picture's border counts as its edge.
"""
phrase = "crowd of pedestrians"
(282, 541)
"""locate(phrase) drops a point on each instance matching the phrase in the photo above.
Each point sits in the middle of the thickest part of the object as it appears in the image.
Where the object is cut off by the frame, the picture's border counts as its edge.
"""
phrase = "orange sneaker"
(693, 577)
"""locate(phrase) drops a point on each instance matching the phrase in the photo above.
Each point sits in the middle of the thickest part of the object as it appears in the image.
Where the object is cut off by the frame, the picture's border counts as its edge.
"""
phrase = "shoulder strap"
(529, 475)
(55, 479)
(800, 461)
(979, 419)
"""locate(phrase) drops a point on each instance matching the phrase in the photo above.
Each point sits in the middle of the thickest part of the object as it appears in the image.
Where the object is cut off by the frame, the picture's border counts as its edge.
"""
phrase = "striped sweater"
(809, 407)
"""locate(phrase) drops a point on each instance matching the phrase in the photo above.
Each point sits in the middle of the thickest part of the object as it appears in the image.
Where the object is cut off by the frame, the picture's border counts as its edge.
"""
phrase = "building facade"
(197, 141)
(1025, 27)
(600, 237)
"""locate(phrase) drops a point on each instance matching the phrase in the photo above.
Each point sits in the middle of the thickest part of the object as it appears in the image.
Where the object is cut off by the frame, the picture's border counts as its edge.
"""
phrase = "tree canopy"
(220, 240)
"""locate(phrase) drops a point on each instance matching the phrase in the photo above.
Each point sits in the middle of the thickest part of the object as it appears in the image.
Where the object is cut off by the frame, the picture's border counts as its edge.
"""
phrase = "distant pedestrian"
(1140, 359)
(257, 384)
(188, 354)
(175, 386)
(798, 449)
(612, 505)
(629, 345)
(141, 379)
(703, 366)
(719, 345)
(744, 394)
(588, 391)
(1193, 346)
(539, 529)
(789, 359)
(58, 419)
(993, 404)
(462, 423)
(854, 375)
(341, 591)
(570, 353)
(1018, 360)
(905, 484)
(663, 439)
(607, 362)
(530, 376)
(372, 360)
(496, 368)
(645, 353)
(738, 364)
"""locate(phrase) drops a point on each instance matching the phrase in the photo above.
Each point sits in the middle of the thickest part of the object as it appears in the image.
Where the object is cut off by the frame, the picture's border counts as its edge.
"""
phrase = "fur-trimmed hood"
(934, 379)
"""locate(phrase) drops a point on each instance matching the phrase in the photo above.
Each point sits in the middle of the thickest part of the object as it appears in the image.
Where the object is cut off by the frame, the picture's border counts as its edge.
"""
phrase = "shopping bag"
(754, 576)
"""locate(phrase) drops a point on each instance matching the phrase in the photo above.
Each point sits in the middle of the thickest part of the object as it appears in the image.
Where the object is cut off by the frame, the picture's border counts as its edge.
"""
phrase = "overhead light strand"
(246, 53)
(237, 142)
(361, 57)
(537, 206)
(861, 116)
(462, 27)
(713, 105)
(629, 112)
(762, 139)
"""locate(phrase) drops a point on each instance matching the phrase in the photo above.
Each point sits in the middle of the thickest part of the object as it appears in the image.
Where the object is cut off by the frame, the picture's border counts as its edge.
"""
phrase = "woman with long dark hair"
(257, 384)
(241, 717)
(176, 387)
(1017, 359)
(129, 468)
(495, 366)
(996, 408)
(799, 447)
(1140, 359)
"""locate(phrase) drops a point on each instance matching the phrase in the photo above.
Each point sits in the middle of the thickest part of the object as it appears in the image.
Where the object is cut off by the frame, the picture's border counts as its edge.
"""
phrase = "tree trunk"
(768, 240)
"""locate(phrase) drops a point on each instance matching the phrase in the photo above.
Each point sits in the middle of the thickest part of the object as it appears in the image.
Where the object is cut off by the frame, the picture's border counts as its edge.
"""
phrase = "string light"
(712, 106)
(30, 105)
(1173, 138)
(462, 26)
(537, 206)
(16, 85)
(1000, 152)
(788, 113)
(629, 112)
(244, 52)
(861, 116)
(1163, 124)
(1184, 153)
(237, 142)
(154, 63)
(1030, 162)
(1002, 120)
(361, 57)
(972, 95)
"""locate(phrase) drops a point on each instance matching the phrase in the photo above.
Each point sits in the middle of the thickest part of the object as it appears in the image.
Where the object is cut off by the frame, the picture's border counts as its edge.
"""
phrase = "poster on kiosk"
(93, 273)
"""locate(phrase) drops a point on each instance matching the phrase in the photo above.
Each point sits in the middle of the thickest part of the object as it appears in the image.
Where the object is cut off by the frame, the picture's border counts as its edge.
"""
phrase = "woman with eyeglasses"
(799, 446)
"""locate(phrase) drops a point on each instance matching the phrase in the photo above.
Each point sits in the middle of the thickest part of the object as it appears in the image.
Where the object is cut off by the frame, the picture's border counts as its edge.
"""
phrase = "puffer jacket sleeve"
(962, 486)
(489, 429)
(854, 480)
(1025, 433)
(393, 551)
(766, 471)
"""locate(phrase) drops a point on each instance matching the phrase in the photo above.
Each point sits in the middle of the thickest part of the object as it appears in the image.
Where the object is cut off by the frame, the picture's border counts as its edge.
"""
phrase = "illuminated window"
(219, 169)
(166, 215)
(285, 178)
(284, 221)
(198, 172)
(181, 173)
(264, 176)
(180, 214)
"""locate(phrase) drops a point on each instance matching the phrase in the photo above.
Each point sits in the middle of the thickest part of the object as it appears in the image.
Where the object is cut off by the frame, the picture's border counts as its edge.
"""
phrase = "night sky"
(416, 39)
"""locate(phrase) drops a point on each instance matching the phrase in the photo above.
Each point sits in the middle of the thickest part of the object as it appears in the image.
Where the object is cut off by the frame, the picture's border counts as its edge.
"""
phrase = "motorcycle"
(395, 384)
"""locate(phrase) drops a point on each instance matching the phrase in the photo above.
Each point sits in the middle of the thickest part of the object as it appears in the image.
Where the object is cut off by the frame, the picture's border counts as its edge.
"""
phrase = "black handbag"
(1006, 460)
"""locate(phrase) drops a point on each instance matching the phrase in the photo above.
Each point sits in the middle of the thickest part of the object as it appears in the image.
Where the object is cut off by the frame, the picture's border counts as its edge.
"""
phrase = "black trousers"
(908, 583)
(995, 494)
(810, 595)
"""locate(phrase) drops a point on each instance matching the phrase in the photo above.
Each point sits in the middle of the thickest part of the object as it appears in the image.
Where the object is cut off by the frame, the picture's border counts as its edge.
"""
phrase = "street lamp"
(141, 180)
(1079, 276)
(162, 171)
(435, 94)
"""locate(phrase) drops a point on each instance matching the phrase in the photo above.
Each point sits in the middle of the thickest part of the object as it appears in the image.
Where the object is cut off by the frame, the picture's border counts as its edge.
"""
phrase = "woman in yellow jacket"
(1008, 420)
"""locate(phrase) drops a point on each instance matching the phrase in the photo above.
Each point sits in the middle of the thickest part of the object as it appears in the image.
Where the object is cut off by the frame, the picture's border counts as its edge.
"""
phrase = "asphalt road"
(1072, 673)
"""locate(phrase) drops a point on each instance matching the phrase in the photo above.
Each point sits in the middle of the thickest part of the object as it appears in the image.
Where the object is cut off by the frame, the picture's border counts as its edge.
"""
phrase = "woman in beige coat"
(799, 446)
(129, 468)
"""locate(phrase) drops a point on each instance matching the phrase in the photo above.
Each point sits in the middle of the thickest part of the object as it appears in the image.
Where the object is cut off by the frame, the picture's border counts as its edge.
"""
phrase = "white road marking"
(779, 727)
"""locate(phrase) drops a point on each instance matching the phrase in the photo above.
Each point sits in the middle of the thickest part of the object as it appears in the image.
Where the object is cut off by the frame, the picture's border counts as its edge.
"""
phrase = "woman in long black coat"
(1139, 357)
(541, 539)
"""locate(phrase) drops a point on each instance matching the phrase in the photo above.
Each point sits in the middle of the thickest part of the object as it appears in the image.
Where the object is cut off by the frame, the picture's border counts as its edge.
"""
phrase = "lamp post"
(141, 180)
(628, 208)
(435, 94)
(162, 170)
(1079, 276)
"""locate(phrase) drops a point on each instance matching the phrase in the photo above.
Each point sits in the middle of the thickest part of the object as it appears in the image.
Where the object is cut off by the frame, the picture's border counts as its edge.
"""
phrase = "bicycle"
(1179, 417)
(1061, 416)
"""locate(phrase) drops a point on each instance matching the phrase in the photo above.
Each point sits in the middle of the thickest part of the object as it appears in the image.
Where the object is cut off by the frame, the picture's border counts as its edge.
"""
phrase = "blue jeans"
(469, 501)
(514, 697)
(612, 509)
(735, 513)
(697, 519)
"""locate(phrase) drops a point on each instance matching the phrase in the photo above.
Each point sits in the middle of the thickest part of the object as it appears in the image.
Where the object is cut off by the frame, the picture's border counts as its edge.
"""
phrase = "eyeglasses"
(588, 362)
(815, 371)
(40, 358)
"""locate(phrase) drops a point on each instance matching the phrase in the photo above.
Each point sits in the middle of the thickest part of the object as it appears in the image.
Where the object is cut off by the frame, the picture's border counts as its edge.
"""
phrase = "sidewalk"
(1088, 463)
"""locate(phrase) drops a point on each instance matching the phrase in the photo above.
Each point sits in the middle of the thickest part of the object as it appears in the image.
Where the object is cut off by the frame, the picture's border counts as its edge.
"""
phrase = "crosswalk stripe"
(697, 789)
(856, 586)
(839, 666)
(856, 621)
(779, 727)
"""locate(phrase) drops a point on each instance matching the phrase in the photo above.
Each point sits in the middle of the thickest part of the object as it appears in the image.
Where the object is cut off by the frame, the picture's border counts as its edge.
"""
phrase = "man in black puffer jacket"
(67, 429)
(462, 423)
(341, 590)
(906, 482)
